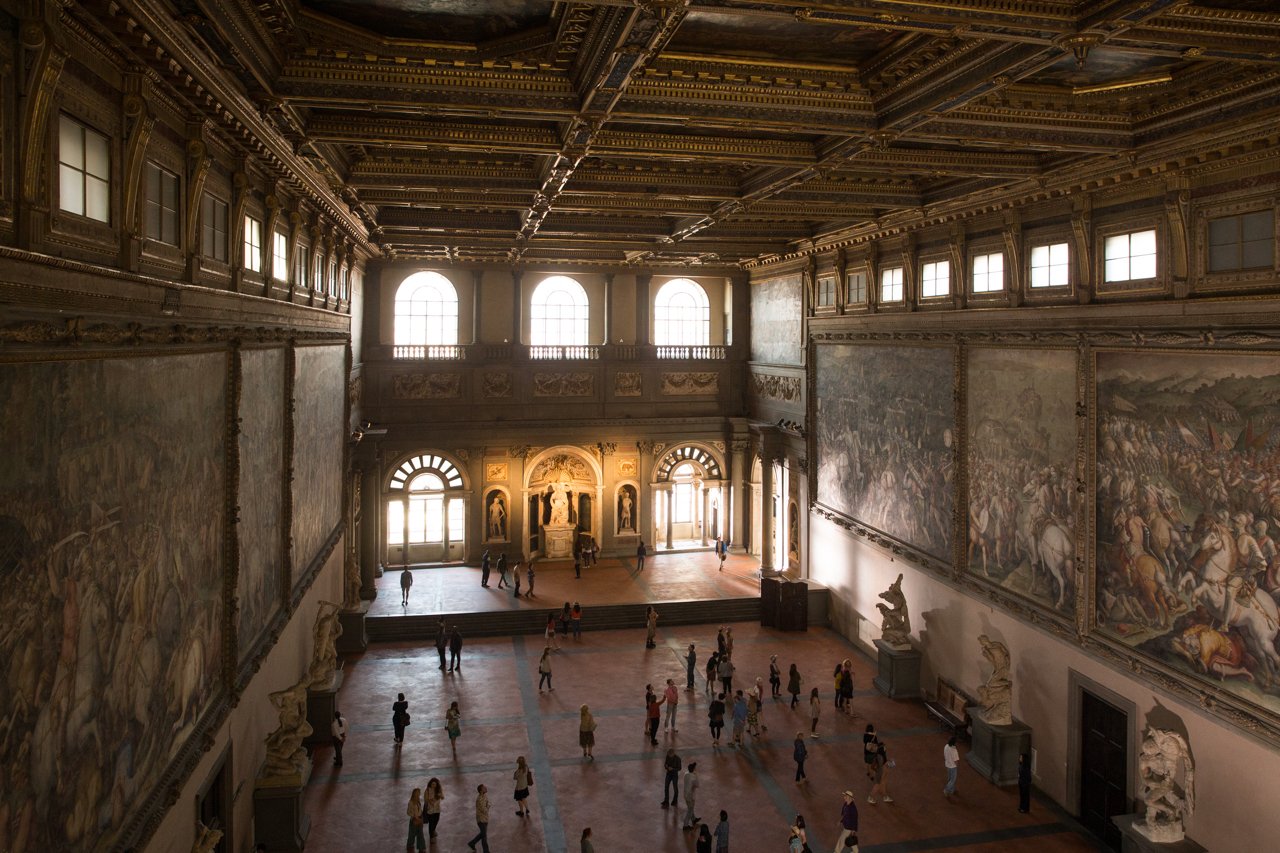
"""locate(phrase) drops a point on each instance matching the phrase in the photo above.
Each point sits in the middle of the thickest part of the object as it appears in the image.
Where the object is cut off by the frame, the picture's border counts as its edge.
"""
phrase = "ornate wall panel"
(319, 438)
(777, 321)
(111, 542)
(262, 412)
(885, 440)
(1022, 449)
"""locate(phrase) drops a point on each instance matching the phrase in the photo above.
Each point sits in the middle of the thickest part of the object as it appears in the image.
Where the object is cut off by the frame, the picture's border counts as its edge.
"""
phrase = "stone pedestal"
(353, 639)
(557, 541)
(278, 821)
(994, 749)
(322, 701)
(1134, 841)
(899, 675)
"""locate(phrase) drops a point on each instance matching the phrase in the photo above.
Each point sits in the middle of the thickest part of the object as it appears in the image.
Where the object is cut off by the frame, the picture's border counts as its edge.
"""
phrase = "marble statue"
(285, 755)
(206, 839)
(497, 518)
(352, 583)
(624, 521)
(895, 629)
(1162, 751)
(559, 505)
(324, 656)
(997, 694)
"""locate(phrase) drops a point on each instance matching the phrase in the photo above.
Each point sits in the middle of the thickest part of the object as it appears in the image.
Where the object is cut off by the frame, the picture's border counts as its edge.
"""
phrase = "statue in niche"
(207, 838)
(352, 583)
(895, 625)
(997, 694)
(285, 755)
(324, 656)
(497, 517)
(625, 505)
(559, 504)
(1166, 801)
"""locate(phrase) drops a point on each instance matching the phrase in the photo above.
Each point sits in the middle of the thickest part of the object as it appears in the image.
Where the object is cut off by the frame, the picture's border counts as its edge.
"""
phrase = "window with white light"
(84, 171)
(559, 313)
(426, 491)
(681, 314)
(300, 269)
(280, 256)
(1130, 257)
(317, 272)
(252, 244)
(826, 292)
(857, 284)
(935, 279)
(426, 311)
(891, 285)
(988, 273)
(1050, 265)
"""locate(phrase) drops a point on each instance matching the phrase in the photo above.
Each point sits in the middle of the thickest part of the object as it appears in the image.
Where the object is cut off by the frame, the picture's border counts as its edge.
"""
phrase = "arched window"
(681, 315)
(558, 313)
(426, 311)
(422, 507)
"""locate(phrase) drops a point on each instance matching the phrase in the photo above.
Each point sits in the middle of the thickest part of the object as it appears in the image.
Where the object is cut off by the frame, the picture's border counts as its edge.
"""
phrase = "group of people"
(424, 808)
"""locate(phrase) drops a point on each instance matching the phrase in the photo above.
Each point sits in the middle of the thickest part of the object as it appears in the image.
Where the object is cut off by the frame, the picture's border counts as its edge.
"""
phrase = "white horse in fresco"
(1048, 545)
(1254, 615)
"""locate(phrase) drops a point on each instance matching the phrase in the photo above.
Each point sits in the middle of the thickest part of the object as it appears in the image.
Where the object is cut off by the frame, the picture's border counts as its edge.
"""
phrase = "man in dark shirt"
(455, 650)
(672, 782)
(848, 824)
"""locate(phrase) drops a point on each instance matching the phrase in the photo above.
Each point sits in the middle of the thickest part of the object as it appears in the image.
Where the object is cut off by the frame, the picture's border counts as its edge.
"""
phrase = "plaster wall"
(1234, 773)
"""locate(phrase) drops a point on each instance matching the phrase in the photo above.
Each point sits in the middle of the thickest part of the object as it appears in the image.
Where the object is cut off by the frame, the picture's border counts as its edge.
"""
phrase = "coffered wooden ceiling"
(724, 131)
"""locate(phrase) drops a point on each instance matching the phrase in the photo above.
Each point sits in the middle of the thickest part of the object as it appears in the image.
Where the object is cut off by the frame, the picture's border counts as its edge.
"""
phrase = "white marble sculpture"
(895, 627)
(1166, 800)
(206, 839)
(324, 656)
(352, 583)
(559, 505)
(287, 761)
(997, 694)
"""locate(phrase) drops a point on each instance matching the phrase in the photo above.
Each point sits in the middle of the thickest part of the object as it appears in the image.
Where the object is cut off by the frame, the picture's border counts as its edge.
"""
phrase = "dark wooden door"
(1104, 766)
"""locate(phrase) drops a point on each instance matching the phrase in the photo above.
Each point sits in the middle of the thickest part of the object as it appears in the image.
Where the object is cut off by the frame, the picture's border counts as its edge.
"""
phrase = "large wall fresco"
(777, 321)
(1188, 505)
(111, 555)
(1022, 449)
(885, 440)
(319, 394)
(258, 583)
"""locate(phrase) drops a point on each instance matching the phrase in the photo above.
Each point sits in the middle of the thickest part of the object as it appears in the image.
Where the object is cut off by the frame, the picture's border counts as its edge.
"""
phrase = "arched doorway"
(563, 499)
(426, 499)
(688, 498)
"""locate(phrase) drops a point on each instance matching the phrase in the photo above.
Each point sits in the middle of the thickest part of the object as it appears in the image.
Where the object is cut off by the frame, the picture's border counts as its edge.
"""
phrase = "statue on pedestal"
(997, 694)
(285, 755)
(324, 656)
(1162, 751)
(559, 505)
(352, 583)
(895, 629)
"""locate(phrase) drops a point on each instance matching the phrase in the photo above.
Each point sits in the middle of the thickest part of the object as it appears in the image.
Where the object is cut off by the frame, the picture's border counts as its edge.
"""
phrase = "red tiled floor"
(361, 806)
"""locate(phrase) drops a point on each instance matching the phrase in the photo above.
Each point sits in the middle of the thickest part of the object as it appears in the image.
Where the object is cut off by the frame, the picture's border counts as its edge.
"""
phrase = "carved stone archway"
(563, 493)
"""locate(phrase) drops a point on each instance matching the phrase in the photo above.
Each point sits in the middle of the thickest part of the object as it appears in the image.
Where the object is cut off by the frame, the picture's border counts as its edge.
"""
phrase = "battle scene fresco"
(319, 394)
(111, 554)
(1022, 449)
(1188, 504)
(777, 321)
(885, 440)
(258, 583)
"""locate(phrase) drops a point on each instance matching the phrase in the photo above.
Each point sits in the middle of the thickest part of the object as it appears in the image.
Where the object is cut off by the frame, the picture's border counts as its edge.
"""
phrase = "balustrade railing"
(432, 352)
(581, 353)
(710, 353)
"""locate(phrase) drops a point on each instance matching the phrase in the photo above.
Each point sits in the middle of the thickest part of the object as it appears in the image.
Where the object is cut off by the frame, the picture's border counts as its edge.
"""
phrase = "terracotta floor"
(361, 806)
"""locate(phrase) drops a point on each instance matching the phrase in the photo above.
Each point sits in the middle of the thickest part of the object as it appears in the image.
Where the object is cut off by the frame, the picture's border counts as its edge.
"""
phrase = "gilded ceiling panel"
(438, 20)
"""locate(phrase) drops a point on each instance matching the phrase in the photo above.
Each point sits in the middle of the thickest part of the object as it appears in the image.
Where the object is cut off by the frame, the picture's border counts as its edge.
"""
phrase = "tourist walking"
(690, 795)
(455, 650)
(442, 643)
(951, 761)
(453, 725)
(815, 709)
(720, 641)
(549, 633)
(575, 616)
(482, 819)
(725, 671)
(870, 745)
(705, 841)
(515, 574)
(775, 677)
(651, 627)
(585, 845)
(739, 717)
(503, 580)
(399, 717)
(586, 732)
(338, 733)
(713, 664)
(728, 641)
(641, 553)
(753, 711)
(760, 706)
(671, 782)
(722, 833)
(523, 778)
(839, 694)
(566, 619)
(1024, 782)
(800, 752)
(671, 698)
(715, 716)
(415, 823)
(690, 660)
(484, 568)
(653, 714)
(432, 797)
(544, 670)
(577, 567)
(406, 581)
(878, 772)
(846, 687)
(801, 830)
(793, 685)
(848, 824)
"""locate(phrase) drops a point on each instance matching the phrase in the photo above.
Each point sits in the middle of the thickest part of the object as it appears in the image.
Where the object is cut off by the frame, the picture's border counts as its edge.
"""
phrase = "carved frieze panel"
(690, 384)
(769, 386)
(426, 386)
(566, 463)
(628, 466)
(497, 383)
(627, 384)
(576, 384)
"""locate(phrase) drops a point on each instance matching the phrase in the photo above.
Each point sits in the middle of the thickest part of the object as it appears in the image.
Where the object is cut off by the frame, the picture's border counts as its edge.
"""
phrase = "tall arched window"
(426, 311)
(558, 313)
(426, 507)
(681, 315)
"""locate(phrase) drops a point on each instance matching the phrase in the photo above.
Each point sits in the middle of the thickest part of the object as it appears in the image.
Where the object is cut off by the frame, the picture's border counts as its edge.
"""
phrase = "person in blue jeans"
(722, 833)
(482, 819)
(800, 753)
(848, 825)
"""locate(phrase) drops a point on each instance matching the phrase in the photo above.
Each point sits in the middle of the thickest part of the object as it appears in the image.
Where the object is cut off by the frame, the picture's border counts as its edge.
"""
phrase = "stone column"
(705, 503)
(517, 304)
(670, 505)
(370, 530)
(477, 304)
(767, 543)
(739, 488)
(642, 309)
